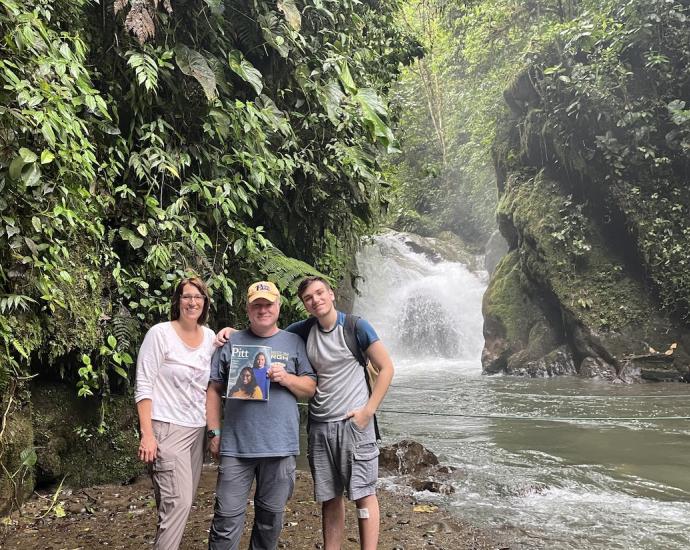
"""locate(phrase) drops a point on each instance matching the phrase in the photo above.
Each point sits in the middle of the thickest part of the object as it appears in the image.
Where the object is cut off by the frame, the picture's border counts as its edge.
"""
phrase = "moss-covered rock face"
(16, 449)
(69, 445)
(518, 324)
(593, 203)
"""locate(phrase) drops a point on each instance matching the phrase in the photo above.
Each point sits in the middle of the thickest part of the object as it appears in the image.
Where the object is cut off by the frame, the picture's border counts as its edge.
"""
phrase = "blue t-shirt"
(341, 384)
(253, 428)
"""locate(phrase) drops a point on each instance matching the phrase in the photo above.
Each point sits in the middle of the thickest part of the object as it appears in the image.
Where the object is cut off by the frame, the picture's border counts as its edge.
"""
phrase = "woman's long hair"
(256, 359)
(239, 385)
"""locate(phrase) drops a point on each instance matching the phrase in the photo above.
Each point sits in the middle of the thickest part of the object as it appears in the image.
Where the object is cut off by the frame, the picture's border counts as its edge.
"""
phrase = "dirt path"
(117, 516)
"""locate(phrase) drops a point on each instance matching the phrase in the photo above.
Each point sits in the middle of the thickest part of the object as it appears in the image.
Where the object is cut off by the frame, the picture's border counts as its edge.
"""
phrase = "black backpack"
(350, 334)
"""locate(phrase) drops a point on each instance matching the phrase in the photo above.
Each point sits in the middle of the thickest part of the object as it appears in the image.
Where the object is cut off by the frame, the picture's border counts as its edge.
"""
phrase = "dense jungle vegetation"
(139, 141)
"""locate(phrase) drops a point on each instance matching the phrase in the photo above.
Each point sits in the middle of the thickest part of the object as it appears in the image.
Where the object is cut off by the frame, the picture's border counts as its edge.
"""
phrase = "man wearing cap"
(259, 439)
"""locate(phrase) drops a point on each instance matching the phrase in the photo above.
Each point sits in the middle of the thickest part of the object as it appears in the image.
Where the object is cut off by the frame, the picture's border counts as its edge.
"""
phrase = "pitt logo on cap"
(263, 289)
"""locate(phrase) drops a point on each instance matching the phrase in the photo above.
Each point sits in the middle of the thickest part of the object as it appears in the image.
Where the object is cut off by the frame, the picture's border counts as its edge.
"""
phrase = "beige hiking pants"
(175, 474)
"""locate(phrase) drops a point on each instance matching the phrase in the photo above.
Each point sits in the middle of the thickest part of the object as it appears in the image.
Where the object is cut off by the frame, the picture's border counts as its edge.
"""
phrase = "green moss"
(76, 327)
(506, 300)
(16, 480)
(70, 445)
(596, 286)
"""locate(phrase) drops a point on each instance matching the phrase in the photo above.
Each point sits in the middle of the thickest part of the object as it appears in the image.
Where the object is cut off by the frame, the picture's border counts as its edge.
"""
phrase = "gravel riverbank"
(123, 516)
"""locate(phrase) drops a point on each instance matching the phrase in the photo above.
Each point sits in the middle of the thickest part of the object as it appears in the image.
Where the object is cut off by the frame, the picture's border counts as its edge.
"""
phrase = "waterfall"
(420, 307)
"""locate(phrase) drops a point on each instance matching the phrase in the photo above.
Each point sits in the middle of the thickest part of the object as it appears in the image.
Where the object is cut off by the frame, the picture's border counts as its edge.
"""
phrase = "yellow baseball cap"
(263, 289)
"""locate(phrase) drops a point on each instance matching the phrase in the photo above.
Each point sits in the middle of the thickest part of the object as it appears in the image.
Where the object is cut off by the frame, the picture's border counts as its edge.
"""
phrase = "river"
(588, 464)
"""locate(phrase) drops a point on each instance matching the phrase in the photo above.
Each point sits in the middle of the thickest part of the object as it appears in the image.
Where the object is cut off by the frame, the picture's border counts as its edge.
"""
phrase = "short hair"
(175, 303)
(302, 288)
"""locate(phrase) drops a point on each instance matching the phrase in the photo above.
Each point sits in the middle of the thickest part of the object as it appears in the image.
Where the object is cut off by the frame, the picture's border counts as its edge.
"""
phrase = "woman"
(260, 373)
(172, 377)
(246, 387)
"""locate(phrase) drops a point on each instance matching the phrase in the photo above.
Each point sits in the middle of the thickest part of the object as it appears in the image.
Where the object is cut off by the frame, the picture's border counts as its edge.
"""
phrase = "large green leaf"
(346, 77)
(330, 97)
(245, 70)
(370, 111)
(192, 63)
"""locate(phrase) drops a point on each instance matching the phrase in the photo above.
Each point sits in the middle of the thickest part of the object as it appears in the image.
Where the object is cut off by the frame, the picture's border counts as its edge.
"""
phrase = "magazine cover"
(247, 373)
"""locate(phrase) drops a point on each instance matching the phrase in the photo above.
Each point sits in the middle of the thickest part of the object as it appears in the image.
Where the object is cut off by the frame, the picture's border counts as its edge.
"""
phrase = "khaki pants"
(175, 475)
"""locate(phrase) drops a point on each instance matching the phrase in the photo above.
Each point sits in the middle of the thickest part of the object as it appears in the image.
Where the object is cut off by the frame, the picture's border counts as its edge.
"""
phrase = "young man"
(343, 452)
(260, 438)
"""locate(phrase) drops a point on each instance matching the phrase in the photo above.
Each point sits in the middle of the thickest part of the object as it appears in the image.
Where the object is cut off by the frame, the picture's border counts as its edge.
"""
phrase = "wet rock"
(657, 367)
(596, 367)
(525, 490)
(432, 486)
(556, 363)
(406, 457)
(437, 527)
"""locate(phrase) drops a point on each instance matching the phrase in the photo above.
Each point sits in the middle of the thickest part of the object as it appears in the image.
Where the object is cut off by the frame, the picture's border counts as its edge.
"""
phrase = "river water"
(600, 481)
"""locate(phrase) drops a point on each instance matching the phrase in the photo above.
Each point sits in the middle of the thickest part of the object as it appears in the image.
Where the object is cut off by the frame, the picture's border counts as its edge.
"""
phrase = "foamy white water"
(567, 484)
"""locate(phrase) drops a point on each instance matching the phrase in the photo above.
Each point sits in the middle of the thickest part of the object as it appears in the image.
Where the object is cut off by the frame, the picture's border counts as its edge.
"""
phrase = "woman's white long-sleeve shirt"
(174, 376)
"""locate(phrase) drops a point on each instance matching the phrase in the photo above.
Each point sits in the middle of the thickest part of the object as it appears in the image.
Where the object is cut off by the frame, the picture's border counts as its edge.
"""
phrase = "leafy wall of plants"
(140, 141)
(614, 119)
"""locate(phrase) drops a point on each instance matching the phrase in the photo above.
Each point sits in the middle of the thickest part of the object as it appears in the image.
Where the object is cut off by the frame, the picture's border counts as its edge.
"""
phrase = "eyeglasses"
(193, 297)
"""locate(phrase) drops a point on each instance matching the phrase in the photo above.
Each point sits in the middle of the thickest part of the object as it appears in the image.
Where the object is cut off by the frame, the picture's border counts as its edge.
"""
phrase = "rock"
(431, 486)
(406, 457)
(436, 527)
(585, 265)
(555, 363)
(596, 367)
(657, 367)
(18, 438)
(446, 247)
(519, 326)
(62, 451)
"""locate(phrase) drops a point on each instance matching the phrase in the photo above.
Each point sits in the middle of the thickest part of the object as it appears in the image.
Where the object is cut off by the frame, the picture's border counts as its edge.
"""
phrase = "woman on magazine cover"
(260, 372)
(173, 368)
(246, 387)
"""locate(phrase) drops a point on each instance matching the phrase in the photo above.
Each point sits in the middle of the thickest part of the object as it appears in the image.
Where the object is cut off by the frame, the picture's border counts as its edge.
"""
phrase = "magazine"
(248, 373)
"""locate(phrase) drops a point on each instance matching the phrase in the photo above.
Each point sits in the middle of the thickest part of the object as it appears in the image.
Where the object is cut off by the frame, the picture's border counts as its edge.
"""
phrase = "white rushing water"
(574, 484)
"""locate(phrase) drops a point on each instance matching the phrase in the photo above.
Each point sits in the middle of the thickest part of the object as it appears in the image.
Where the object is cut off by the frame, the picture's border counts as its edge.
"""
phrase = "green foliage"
(571, 230)
(612, 91)
(224, 145)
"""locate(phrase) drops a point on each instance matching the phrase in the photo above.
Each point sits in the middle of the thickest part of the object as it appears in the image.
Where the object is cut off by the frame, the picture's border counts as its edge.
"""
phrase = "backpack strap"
(305, 328)
(350, 334)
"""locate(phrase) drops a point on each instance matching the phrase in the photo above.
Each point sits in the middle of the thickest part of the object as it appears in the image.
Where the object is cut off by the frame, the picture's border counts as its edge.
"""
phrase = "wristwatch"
(213, 433)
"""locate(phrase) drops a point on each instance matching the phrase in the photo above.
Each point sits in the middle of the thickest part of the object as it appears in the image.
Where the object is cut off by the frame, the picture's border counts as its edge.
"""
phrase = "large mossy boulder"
(585, 287)
(69, 444)
(517, 324)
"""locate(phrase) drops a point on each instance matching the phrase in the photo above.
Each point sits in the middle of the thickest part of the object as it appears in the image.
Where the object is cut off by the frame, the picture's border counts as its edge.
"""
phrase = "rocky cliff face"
(594, 205)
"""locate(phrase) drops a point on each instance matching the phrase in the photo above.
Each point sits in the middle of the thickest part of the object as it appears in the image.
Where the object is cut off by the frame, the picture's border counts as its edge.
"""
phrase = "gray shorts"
(343, 459)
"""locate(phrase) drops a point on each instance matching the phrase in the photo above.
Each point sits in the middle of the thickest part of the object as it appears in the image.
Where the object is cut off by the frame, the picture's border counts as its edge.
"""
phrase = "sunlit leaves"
(245, 70)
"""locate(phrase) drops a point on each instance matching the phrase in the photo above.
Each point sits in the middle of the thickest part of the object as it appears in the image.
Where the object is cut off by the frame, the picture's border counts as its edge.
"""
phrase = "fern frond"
(14, 302)
(145, 68)
(286, 272)
(126, 329)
